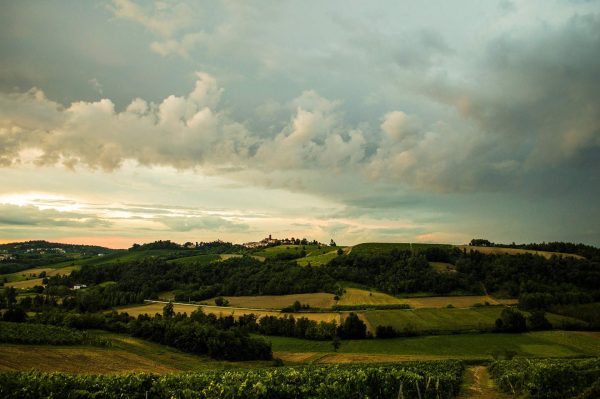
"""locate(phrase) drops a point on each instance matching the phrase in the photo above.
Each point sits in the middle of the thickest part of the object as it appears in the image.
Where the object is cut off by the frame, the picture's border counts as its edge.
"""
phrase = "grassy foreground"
(127, 354)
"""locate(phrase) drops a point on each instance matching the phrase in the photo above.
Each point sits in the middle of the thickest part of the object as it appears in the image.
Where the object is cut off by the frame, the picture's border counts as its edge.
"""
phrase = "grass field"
(444, 319)
(318, 260)
(31, 274)
(463, 301)
(443, 267)
(127, 354)
(461, 346)
(515, 251)
(355, 296)
(153, 308)
(316, 300)
(195, 260)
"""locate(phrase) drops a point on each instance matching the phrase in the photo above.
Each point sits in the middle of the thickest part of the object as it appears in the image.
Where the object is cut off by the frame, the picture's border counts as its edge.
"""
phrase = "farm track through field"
(478, 385)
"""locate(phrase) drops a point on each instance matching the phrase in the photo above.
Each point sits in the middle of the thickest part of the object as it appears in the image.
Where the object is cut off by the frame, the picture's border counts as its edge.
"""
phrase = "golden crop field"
(315, 300)
(25, 283)
(153, 308)
(355, 296)
(515, 251)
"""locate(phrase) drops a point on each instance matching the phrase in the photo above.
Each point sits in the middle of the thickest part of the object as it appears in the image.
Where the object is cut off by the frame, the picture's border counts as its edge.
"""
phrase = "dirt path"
(478, 385)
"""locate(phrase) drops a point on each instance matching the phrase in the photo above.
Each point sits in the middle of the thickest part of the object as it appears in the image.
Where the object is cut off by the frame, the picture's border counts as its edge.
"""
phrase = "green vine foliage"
(425, 380)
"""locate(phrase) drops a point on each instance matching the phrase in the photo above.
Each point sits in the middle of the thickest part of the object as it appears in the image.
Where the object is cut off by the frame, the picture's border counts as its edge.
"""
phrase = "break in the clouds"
(391, 121)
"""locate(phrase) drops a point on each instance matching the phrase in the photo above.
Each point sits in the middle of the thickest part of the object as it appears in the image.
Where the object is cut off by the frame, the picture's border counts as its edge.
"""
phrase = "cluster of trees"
(210, 247)
(399, 272)
(296, 307)
(513, 321)
(352, 328)
(190, 335)
(301, 327)
(537, 281)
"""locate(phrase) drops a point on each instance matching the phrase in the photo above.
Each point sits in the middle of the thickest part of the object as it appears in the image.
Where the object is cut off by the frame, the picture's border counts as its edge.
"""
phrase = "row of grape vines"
(547, 378)
(424, 380)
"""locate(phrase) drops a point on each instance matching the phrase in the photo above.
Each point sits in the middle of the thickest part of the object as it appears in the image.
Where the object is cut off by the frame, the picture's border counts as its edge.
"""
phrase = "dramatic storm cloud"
(396, 121)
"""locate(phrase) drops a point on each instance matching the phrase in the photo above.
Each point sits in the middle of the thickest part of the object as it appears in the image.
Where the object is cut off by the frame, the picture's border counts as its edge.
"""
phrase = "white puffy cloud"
(180, 131)
(315, 137)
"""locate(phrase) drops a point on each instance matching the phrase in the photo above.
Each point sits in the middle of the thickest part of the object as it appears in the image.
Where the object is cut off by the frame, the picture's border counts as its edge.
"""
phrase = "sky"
(393, 121)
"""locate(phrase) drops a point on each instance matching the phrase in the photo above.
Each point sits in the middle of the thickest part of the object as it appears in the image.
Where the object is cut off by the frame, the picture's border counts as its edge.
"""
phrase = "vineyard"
(409, 380)
(26, 333)
(549, 378)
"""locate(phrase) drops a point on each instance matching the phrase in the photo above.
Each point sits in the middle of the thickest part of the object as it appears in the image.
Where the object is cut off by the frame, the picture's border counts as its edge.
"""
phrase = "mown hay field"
(355, 296)
(515, 251)
(320, 300)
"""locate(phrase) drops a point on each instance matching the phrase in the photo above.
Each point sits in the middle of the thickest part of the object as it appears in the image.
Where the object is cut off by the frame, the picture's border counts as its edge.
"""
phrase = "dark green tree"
(511, 321)
(168, 311)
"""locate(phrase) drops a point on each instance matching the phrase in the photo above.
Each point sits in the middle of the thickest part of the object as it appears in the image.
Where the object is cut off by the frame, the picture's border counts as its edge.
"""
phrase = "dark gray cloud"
(535, 98)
